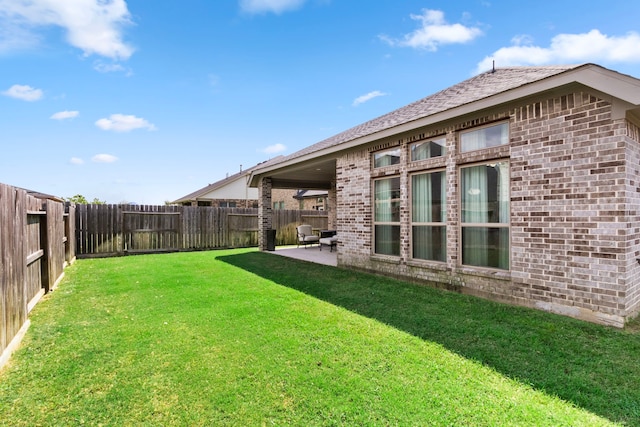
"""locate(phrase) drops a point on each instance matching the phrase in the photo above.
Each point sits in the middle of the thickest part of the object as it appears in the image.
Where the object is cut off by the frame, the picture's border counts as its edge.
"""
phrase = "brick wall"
(291, 203)
(575, 202)
(632, 229)
(568, 215)
(353, 209)
(284, 195)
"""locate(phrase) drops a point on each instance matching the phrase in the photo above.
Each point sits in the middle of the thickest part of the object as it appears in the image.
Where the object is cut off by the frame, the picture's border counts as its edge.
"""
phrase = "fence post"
(70, 232)
(119, 231)
(45, 263)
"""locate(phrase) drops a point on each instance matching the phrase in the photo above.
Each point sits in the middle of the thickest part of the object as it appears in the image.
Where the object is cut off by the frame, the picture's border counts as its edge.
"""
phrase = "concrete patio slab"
(309, 253)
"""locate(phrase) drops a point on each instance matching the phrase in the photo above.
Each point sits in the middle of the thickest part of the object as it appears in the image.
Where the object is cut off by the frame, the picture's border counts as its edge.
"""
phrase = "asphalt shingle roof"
(474, 89)
(209, 188)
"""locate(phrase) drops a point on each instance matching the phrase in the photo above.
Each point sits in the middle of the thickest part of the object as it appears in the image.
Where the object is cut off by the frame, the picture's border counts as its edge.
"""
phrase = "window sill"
(432, 265)
(391, 259)
(484, 272)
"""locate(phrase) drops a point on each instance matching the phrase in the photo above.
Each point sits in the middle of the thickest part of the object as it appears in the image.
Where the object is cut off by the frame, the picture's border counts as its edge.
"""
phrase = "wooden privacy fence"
(114, 230)
(36, 242)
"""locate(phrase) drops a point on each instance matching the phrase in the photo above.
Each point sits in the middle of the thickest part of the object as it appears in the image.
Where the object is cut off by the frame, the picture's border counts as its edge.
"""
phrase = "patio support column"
(265, 213)
(332, 206)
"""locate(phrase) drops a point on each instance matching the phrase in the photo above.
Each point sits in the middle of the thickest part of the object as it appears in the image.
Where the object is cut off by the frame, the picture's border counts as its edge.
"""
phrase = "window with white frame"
(386, 158)
(485, 213)
(429, 216)
(428, 149)
(485, 137)
(386, 214)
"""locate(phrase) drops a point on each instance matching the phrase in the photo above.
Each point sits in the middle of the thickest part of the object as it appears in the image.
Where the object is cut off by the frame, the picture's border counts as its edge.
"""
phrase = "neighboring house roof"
(223, 182)
(482, 91)
(302, 194)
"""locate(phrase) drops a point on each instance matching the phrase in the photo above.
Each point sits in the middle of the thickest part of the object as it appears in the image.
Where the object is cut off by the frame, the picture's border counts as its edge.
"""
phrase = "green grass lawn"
(246, 338)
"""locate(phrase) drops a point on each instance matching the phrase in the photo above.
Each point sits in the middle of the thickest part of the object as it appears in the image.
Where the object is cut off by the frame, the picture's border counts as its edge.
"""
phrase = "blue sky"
(145, 101)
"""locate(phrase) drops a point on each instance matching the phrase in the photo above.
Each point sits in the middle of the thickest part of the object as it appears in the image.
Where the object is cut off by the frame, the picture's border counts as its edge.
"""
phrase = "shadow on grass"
(594, 367)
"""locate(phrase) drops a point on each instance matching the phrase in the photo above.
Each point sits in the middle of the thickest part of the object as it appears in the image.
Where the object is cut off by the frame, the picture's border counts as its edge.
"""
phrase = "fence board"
(55, 242)
(13, 307)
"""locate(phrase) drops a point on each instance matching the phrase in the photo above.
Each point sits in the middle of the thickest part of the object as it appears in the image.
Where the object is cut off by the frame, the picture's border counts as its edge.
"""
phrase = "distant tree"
(79, 199)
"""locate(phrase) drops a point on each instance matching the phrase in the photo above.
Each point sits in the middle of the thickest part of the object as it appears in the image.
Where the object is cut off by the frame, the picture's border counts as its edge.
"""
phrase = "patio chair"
(306, 236)
(330, 241)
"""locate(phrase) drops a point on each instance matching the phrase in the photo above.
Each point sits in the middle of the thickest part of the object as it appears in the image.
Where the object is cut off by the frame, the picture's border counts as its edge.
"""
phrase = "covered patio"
(311, 254)
(307, 173)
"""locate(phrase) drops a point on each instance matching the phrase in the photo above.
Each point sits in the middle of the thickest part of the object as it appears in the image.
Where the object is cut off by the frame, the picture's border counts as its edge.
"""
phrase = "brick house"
(520, 185)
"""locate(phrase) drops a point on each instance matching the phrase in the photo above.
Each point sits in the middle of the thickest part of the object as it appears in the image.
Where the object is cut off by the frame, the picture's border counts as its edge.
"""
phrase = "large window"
(485, 137)
(428, 149)
(386, 158)
(428, 216)
(485, 215)
(386, 201)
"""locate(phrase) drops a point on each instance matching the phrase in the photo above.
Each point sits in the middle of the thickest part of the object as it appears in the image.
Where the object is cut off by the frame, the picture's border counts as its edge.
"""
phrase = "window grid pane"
(485, 215)
(387, 200)
(430, 242)
(387, 216)
(387, 240)
(485, 193)
(386, 158)
(428, 198)
(490, 136)
(428, 149)
(486, 247)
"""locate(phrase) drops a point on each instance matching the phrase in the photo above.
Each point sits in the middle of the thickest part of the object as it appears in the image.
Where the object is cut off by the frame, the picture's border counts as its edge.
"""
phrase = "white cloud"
(434, 32)
(104, 158)
(23, 92)
(76, 161)
(275, 6)
(108, 68)
(13, 37)
(567, 48)
(214, 80)
(61, 115)
(124, 123)
(276, 148)
(94, 26)
(368, 97)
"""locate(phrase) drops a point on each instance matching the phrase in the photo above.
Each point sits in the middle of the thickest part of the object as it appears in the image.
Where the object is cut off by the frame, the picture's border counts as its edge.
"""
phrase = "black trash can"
(271, 239)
